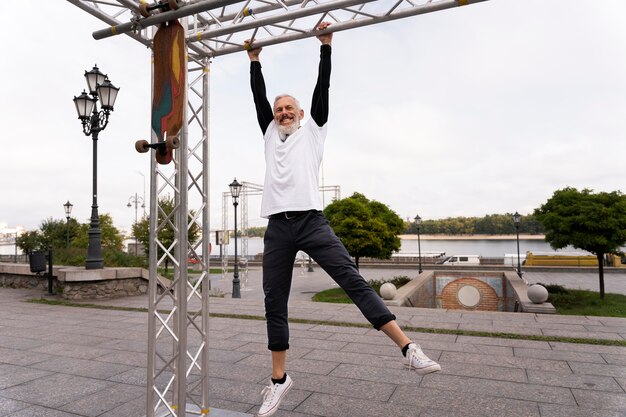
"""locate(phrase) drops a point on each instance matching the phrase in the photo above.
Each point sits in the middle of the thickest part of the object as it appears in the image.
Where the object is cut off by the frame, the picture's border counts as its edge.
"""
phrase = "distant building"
(8, 237)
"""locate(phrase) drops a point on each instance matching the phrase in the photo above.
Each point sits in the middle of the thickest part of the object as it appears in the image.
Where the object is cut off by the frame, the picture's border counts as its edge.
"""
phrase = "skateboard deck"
(168, 88)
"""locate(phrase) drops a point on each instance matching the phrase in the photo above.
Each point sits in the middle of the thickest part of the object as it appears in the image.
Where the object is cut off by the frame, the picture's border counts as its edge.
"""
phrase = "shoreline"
(472, 237)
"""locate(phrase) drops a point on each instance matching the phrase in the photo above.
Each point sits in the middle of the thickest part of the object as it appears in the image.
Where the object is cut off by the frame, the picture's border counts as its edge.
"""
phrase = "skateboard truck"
(162, 147)
(146, 9)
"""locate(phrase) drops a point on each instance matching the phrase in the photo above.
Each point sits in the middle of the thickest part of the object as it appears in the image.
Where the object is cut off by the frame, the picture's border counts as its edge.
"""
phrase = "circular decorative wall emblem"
(469, 296)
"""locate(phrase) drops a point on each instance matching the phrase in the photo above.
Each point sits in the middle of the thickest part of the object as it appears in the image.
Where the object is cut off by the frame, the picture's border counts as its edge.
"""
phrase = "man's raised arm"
(319, 103)
(264, 112)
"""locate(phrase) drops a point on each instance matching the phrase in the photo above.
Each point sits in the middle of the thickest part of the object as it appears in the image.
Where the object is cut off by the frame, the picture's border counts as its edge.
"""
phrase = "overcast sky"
(471, 111)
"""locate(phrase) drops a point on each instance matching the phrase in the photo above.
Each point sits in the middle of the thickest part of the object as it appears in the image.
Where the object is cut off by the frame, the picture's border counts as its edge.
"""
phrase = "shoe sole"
(275, 409)
(428, 370)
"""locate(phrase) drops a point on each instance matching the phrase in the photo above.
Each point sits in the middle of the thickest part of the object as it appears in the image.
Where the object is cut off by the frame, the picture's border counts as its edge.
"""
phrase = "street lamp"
(93, 122)
(516, 219)
(68, 211)
(418, 221)
(235, 189)
(135, 200)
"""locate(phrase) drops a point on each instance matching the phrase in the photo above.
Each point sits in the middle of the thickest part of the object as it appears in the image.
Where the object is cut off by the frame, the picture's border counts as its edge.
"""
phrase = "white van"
(463, 260)
(510, 259)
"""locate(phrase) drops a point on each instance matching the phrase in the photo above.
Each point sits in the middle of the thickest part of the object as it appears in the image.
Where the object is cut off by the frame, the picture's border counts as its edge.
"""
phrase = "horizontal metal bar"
(159, 18)
(306, 11)
(337, 27)
(107, 19)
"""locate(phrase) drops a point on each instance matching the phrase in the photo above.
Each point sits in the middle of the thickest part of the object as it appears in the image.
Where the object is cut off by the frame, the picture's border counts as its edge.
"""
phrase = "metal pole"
(236, 286)
(67, 233)
(419, 250)
(136, 252)
(519, 263)
(50, 271)
(94, 248)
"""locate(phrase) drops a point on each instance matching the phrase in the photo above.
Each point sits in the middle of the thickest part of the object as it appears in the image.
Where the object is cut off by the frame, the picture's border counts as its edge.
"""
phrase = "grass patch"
(337, 295)
(586, 303)
(334, 295)
(561, 339)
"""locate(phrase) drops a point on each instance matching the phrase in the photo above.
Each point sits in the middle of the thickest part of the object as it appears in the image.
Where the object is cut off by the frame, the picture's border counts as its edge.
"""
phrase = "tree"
(110, 236)
(51, 233)
(141, 230)
(592, 222)
(30, 241)
(54, 233)
(366, 228)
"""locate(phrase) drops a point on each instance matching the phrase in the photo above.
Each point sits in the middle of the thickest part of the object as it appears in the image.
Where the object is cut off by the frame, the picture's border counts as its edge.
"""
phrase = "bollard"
(50, 270)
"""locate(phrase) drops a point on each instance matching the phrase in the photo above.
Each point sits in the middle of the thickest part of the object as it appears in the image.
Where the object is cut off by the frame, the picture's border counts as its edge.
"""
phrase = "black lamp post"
(235, 189)
(418, 221)
(516, 219)
(93, 122)
(68, 211)
(135, 200)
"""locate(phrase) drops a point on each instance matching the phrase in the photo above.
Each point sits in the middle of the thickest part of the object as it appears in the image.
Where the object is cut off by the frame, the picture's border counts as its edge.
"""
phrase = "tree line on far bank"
(491, 224)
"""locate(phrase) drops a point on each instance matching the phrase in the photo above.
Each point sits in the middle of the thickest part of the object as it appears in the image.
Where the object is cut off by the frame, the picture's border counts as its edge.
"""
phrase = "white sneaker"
(416, 359)
(273, 394)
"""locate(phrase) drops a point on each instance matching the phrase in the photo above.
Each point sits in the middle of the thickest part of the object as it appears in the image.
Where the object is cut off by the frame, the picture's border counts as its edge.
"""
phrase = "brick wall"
(488, 300)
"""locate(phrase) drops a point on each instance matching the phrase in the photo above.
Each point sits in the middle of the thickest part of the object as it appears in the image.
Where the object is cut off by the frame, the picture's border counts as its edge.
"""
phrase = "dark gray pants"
(312, 234)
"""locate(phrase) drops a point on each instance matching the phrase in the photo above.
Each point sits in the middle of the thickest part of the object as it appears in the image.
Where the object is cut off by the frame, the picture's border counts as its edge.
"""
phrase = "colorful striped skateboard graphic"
(168, 91)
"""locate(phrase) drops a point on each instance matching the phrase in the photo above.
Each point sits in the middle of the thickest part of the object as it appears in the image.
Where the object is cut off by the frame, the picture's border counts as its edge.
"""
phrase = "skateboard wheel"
(143, 10)
(174, 4)
(172, 142)
(142, 146)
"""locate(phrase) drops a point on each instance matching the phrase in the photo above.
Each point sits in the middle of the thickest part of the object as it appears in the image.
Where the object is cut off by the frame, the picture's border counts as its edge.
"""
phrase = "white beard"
(285, 131)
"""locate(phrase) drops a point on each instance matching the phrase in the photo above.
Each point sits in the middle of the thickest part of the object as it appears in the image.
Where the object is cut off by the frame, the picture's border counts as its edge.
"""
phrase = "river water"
(488, 248)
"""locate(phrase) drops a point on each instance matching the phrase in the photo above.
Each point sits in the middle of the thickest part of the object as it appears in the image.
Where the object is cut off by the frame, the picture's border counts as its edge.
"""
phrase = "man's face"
(286, 114)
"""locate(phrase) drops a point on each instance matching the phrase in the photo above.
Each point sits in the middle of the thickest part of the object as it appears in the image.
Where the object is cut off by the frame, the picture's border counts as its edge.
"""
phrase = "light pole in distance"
(235, 189)
(418, 222)
(135, 200)
(68, 211)
(93, 122)
(516, 219)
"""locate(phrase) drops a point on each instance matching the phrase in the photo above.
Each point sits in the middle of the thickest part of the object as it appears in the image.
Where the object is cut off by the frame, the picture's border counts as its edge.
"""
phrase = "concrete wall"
(76, 283)
(500, 291)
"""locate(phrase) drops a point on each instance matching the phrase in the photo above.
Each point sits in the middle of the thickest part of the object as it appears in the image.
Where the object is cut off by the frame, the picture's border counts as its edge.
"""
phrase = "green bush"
(69, 256)
(554, 288)
(74, 256)
(122, 259)
(398, 281)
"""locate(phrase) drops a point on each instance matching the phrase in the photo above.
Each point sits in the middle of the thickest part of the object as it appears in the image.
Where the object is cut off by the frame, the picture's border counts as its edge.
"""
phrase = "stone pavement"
(59, 361)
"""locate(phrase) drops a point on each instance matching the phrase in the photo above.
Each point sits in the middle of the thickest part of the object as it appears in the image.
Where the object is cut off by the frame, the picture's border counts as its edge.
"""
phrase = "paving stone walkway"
(58, 361)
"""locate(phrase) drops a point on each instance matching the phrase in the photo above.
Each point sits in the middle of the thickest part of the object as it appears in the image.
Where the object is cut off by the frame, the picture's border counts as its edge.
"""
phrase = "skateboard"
(169, 86)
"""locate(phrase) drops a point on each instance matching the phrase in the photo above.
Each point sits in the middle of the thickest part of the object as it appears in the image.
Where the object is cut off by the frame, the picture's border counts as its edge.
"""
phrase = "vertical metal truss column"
(335, 189)
(178, 308)
(248, 189)
(225, 207)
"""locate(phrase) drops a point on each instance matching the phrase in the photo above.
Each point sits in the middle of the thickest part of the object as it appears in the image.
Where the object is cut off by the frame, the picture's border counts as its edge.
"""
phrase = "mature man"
(291, 201)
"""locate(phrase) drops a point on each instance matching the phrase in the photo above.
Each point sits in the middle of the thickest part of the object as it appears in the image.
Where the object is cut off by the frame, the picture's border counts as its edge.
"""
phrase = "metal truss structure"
(178, 309)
